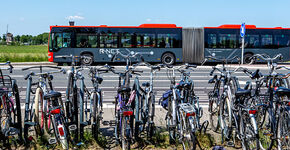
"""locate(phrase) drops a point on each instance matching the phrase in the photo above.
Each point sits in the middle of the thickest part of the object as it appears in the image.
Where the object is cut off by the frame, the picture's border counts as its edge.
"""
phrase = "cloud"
(21, 19)
(148, 20)
(76, 17)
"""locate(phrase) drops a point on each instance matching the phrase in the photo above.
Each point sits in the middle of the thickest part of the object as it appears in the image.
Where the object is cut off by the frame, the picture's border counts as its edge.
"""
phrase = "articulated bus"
(165, 43)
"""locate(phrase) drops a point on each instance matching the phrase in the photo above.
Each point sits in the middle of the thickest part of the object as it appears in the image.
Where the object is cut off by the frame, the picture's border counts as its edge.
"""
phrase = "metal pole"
(243, 45)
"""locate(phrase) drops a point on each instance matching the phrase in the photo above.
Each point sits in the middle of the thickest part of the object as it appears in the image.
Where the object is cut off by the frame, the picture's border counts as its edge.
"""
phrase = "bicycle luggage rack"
(5, 82)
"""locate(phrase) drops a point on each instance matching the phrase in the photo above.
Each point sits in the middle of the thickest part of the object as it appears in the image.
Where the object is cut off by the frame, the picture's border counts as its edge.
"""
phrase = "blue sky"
(35, 16)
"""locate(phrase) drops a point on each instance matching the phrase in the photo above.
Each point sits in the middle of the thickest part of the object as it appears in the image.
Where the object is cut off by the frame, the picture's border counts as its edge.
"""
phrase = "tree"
(24, 39)
(17, 38)
(4, 38)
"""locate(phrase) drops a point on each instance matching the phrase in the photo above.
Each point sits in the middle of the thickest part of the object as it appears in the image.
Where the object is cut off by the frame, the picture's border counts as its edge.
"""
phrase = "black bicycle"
(10, 112)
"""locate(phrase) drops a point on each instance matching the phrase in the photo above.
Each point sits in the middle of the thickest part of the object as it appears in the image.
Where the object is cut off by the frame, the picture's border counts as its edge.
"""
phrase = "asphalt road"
(200, 76)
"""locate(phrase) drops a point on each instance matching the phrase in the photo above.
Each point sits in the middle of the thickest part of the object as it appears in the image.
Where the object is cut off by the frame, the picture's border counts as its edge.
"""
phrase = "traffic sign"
(243, 30)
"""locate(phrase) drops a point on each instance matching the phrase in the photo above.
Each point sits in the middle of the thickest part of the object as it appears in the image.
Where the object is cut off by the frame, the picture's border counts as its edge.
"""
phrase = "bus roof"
(140, 26)
(238, 26)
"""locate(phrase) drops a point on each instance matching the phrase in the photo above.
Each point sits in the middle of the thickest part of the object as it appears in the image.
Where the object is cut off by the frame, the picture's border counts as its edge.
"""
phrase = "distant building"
(9, 38)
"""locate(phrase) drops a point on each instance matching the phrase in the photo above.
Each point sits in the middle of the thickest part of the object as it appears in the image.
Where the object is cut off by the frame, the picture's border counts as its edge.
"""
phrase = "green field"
(29, 53)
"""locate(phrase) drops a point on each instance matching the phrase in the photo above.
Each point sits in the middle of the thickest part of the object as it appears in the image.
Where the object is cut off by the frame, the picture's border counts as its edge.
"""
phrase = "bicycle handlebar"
(267, 57)
(9, 64)
(44, 73)
(54, 67)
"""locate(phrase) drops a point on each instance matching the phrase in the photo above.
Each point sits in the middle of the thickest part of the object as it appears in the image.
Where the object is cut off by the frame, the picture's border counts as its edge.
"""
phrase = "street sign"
(243, 30)
(242, 33)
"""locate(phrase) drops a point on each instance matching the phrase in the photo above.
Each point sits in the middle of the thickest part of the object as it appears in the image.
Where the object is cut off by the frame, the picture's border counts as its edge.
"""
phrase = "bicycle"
(182, 115)
(124, 101)
(221, 99)
(72, 97)
(92, 115)
(10, 112)
(269, 104)
(45, 111)
(145, 103)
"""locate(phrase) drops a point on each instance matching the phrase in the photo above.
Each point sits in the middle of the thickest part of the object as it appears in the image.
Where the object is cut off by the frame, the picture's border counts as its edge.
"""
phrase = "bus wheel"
(88, 60)
(247, 58)
(168, 59)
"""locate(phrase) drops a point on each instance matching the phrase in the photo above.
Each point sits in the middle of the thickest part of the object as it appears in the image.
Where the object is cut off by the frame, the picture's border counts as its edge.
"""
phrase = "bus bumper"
(50, 56)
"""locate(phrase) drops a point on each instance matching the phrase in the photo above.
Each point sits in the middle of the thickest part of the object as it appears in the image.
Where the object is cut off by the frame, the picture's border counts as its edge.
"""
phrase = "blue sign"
(243, 30)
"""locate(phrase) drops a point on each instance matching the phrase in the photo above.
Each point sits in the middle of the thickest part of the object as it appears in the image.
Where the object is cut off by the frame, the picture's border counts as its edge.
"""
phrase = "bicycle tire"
(39, 124)
(124, 130)
(95, 115)
(283, 131)
(266, 131)
(247, 130)
(188, 142)
(214, 106)
(151, 108)
(170, 123)
(18, 124)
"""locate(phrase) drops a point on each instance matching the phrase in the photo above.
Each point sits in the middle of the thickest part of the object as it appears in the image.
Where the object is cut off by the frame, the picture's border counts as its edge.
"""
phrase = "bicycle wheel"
(71, 107)
(226, 117)
(126, 133)
(96, 116)
(188, 137)
(151, 108)
(249, 139)
(17, 113)
(214, 113)
(39, 116)
(283, 132)
(171, 124)
(266, 130)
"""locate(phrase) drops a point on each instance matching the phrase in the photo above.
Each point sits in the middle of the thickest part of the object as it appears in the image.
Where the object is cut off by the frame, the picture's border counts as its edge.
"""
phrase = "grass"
(24, 53)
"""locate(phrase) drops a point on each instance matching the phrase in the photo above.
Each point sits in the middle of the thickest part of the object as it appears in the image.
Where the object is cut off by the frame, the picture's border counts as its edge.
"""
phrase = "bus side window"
(126, 40)
(82, 40)
(57, 40)
(227, 41)
(251, 41)
(212, 41)
(66, 40)
(146, 40)
(281, 41)
(167, 41)
(93, 41)
(266, 41)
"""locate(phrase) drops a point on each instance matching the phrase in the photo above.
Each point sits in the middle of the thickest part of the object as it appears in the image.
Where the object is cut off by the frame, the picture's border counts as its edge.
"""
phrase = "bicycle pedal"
(12, 131)
(30, 123)
(139, 122)
(106, 123)
(52, 141)
(230, 144)
(171, 126)
(72, 127)
(84, 123)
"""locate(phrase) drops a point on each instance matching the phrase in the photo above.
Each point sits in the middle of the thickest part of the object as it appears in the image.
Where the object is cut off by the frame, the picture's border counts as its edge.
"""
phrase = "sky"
(34, 17)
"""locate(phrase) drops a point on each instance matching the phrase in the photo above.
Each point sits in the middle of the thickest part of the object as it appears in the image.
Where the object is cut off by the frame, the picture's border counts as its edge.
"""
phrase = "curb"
(32, 63)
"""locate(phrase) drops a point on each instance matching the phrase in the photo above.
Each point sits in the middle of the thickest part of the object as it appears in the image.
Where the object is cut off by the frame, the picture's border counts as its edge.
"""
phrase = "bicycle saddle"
(146, 84)
(282, 91)
(52, 94)
(124, 89)
(257, 74)
(242, 92)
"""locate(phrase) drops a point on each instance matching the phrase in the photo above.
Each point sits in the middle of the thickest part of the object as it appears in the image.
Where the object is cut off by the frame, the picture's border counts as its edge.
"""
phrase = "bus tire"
(168, 59)
(247, 58)
(87, 61)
